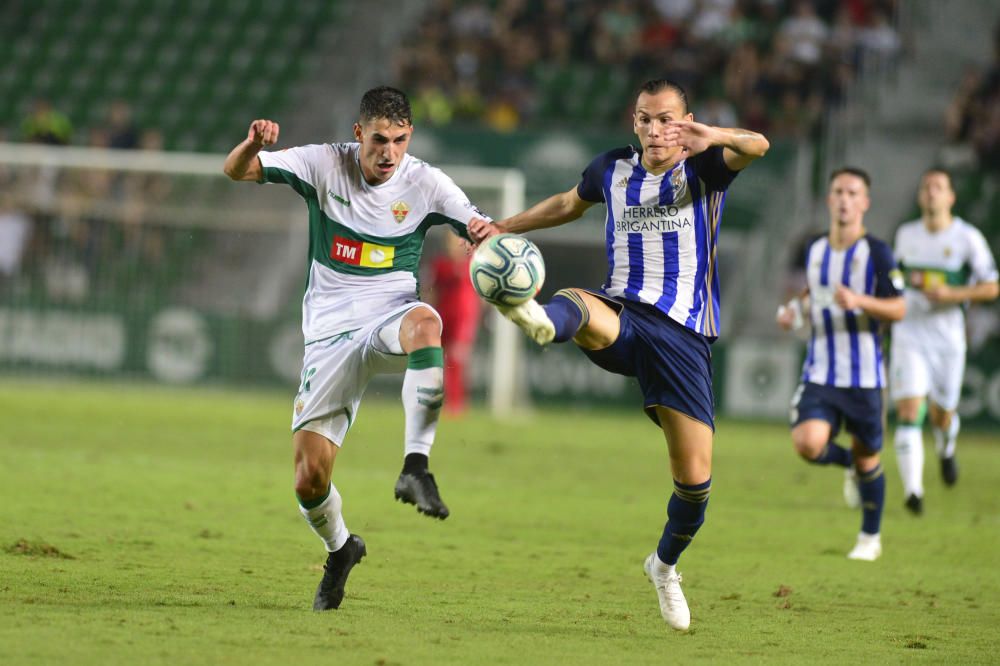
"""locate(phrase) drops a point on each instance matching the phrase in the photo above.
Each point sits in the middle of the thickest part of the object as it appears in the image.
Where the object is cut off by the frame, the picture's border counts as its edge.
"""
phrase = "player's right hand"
(785, 317)
(263, 133)
(789, 315)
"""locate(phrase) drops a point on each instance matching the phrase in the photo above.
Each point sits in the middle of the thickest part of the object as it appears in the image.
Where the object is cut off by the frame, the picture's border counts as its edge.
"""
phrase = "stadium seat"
(151, 53)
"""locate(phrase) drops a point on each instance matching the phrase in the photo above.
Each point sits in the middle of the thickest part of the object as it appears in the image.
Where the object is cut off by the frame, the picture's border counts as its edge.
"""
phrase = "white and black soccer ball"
(507, 269)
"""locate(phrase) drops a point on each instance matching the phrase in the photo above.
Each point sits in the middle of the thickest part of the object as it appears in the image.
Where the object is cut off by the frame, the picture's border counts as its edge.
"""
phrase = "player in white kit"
(947, 263)
(370, 205)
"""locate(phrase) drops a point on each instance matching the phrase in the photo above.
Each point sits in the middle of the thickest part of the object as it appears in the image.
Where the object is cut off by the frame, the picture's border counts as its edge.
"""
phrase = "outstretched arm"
(979, 292)
(740, 146)
(891, 308)
(557, 209)
(242, 162)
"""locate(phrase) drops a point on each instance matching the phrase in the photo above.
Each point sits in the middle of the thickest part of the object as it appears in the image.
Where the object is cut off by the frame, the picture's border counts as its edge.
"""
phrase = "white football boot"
(852, 496)
(673, 605)
(530, 318)
(868, 548)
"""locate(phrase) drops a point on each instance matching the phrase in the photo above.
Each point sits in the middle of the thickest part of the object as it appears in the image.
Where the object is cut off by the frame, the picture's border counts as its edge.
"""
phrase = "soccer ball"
(507, 269)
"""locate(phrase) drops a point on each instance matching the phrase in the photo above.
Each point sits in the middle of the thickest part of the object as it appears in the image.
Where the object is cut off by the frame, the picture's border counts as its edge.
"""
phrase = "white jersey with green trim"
(956, 256)
(365, 240)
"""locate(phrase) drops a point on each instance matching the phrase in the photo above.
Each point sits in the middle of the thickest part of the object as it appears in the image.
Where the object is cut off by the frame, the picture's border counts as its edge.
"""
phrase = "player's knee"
(423, 329)
(942, 419)
(312, 479)
(907, 413)
(865, 461)
(808, 448)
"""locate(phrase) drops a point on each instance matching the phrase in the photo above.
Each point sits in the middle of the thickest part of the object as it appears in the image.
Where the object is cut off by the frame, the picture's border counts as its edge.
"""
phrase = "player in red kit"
(459, 307)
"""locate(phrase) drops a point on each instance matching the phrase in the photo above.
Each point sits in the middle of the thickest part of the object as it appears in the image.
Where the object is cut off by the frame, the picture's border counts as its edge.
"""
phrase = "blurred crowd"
(973, 117)
(768, 65)
(59, 228)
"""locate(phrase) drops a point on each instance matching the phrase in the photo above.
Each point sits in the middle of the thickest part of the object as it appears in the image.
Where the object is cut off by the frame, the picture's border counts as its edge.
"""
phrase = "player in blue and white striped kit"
(658, 311)
(852, 287)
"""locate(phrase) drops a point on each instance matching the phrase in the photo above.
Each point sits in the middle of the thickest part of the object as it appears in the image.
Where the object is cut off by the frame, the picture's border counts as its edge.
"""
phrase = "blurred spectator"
(805, 32)
(712, 18)
(676, 12)
(879, 39)
(143, 242)
(531, 62)
(15, 234)
(46, 125)
(973, 117)
(472, 18)
(122, 131)
(742, 72)
(843, 42)
(459, 307)
(716, 111)
(430, 105)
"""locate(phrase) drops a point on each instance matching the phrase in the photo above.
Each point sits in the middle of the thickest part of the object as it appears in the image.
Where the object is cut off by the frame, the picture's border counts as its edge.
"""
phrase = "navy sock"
(685, 514)
(568, 313)
(834, 454)
(872, 488)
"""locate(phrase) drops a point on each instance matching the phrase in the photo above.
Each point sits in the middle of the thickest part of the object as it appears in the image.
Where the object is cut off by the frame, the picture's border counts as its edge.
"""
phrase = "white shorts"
(336, 371)
(915, 373)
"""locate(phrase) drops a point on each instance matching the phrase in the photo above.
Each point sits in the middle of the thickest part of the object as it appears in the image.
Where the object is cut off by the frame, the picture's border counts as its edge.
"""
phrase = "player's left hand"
(691, 136)
(479, 230)
(846, 298)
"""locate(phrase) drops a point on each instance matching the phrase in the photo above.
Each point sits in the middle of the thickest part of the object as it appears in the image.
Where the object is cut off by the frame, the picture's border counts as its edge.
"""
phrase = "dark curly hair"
(388, 103)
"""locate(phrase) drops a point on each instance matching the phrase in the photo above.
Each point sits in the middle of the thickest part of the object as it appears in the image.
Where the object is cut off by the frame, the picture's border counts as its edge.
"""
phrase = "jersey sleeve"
(454, 205)
(981, 261)
(299, 167)
(710, 166)
(591, 187)
(888, 278)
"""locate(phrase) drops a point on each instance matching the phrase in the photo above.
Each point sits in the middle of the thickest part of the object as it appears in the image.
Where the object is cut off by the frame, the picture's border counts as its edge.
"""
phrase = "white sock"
(945, 442)
(327, 522)
(910, 459)
(660, 565)
(423, 396)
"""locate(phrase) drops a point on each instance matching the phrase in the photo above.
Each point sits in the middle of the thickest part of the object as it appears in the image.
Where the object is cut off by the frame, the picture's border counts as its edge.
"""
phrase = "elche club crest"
(400, 209)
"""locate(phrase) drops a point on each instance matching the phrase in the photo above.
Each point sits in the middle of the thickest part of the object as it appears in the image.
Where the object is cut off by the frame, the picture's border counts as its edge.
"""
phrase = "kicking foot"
(915, 504)
(949, 470)
(673, 605)
(852, 496)
(868, 548)
(338, 565)
(530, 318)
(419, 488)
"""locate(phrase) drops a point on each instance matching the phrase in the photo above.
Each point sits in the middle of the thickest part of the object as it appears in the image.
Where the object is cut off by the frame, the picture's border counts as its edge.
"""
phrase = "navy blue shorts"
(859, 409)
(672, 363)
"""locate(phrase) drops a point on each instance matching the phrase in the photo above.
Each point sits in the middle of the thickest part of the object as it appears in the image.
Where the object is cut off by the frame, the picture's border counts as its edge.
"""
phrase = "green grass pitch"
(142, 525)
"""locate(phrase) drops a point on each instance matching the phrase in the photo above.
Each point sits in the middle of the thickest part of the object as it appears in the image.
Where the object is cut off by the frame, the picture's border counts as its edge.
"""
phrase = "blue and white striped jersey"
(845, 348)
(661, 232)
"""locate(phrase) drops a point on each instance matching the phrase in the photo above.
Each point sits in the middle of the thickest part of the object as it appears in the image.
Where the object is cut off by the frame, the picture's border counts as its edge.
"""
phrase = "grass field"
(151, 526)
